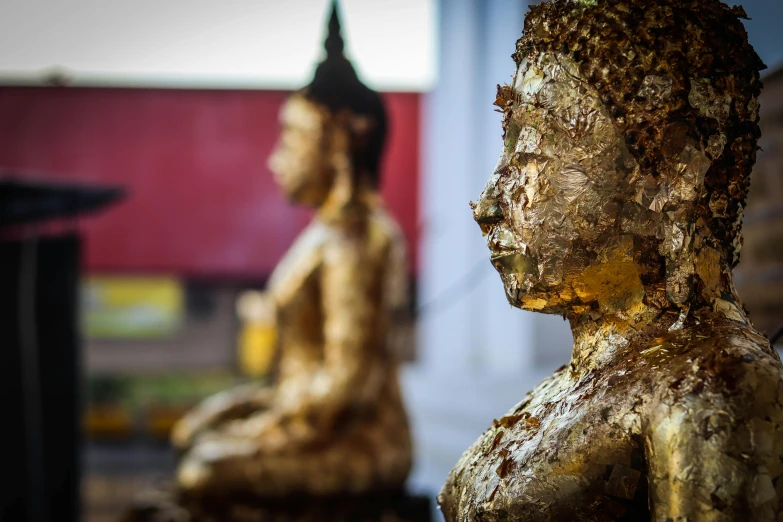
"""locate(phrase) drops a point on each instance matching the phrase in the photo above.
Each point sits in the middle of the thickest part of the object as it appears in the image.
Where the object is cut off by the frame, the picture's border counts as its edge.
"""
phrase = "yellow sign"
(132, 307)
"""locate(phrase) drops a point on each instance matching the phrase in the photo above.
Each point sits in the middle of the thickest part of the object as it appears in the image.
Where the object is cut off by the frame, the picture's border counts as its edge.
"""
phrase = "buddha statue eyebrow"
(507, 100)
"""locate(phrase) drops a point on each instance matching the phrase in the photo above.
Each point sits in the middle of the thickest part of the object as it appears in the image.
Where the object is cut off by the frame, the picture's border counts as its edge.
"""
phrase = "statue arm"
(715, 459)
(225, 406)
(351, 296)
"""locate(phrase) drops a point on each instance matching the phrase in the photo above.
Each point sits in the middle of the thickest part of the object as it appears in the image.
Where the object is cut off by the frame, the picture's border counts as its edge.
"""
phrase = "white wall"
(478, 354)
(466, 324)
(211, 43)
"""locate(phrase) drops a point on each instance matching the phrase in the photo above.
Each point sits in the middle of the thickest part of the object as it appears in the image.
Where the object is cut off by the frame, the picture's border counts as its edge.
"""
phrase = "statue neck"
(603, 335)
(349, 198)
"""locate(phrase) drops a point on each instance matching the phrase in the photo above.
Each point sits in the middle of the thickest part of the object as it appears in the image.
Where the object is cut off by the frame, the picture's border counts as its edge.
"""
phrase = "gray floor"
(449, 412)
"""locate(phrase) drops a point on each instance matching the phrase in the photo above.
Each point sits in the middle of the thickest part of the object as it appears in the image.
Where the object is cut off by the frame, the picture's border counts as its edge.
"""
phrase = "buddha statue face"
(323, 155)
(622, 173)
(333, 133)
(554, 191)
(301, 159)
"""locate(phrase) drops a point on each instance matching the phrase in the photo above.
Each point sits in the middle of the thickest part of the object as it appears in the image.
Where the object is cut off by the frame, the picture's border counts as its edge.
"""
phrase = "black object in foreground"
(27, 201)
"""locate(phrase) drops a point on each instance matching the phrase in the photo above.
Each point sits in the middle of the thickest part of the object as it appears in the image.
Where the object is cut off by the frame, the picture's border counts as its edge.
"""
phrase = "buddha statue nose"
(487, 211)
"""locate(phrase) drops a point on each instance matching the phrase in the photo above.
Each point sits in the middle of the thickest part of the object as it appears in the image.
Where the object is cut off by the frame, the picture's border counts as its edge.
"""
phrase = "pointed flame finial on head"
(336, 87)
(334, 41)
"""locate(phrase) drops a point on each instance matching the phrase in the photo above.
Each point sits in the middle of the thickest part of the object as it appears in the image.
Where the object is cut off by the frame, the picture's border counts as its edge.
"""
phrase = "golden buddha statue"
(334, 422)
(630, 131)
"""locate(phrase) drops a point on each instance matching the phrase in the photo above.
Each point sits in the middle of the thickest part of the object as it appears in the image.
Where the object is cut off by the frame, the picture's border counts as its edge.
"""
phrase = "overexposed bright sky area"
(268, 44)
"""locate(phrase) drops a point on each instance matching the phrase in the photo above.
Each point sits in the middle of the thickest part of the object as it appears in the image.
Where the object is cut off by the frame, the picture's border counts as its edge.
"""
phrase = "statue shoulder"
(712, 438)
(485, 450)
(386, 228)
(732, 370)
(300, 261)
(377, 235)
(727, 358)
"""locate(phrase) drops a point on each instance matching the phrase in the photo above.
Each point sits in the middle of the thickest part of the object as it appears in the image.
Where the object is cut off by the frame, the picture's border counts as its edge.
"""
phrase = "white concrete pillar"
(465, 323)
(444, 250)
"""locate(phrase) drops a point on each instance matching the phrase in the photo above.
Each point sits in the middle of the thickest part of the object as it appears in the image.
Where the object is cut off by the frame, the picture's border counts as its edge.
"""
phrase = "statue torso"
(296, 287)
(334, 421)
(578, 446)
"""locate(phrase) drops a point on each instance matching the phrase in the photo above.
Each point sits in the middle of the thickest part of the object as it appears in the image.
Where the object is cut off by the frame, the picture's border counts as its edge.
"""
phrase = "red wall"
(201, 201)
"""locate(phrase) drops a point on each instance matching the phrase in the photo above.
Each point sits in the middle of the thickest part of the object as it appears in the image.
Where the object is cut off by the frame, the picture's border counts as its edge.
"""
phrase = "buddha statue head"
(333, 132)
(630, 131)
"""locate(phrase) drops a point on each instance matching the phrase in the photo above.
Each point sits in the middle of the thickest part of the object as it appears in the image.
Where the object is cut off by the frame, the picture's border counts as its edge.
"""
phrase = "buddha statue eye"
(511, 134)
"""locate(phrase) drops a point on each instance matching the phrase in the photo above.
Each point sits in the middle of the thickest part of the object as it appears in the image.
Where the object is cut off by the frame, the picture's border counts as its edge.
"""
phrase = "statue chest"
(295, 289)
(563, 454)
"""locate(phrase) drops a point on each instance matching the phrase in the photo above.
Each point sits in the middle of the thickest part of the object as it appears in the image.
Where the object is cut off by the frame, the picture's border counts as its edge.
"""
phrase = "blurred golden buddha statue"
(333, 423)
(630, 131)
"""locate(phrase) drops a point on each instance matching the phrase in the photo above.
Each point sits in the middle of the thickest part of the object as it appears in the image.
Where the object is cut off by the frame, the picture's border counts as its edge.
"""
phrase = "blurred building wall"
(206, 341)
(201, 201)
(759, 275)
(763, 27)
(466, 323)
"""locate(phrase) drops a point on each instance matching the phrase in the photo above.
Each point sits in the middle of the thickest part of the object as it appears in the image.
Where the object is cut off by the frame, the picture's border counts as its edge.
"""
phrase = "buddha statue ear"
(663, 214)
(677, 248)
(674, 192)
(339, 157)
(686, 164)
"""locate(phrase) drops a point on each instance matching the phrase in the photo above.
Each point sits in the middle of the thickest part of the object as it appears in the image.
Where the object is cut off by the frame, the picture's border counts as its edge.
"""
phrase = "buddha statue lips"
(630, 131)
